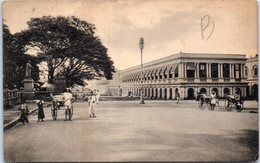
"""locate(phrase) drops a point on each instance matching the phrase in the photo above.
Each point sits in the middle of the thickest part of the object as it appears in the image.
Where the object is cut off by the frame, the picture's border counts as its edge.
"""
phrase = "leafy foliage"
(70, 48)
(14, 61)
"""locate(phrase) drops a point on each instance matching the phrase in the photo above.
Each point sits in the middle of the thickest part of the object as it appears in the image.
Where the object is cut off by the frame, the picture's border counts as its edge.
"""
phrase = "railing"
(11, 97)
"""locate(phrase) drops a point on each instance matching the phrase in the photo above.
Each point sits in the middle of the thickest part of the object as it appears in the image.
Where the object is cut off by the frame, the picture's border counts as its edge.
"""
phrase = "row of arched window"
(253, 72)
(169, 71)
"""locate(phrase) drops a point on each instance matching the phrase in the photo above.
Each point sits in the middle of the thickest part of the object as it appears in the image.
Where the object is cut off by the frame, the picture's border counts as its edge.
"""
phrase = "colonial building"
(251, 73)
(188, 74)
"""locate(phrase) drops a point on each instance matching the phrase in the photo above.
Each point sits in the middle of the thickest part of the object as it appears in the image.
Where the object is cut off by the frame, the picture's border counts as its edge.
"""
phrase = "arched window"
(203, 90)
(254, 70)
(226, 91)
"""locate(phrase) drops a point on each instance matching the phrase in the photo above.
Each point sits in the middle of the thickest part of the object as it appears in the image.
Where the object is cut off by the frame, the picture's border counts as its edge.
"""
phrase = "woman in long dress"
(41, 115)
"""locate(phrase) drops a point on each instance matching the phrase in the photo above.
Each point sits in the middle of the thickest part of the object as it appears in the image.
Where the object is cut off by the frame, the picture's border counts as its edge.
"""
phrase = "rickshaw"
(58, 104)
(234, 102)
(204, 102)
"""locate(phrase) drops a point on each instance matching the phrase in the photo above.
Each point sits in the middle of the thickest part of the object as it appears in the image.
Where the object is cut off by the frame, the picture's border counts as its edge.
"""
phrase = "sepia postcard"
(130, 80)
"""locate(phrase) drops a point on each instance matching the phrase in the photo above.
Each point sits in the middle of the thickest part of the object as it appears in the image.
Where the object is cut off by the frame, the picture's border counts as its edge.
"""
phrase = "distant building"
(251, 73)
(188, 74)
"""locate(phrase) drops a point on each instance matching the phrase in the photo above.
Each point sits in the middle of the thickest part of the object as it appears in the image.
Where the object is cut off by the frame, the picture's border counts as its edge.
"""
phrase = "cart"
(232, 102)
(58, 104)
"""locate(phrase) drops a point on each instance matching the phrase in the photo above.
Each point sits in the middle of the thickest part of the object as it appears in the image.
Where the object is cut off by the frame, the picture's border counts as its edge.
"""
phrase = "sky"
(167, 26)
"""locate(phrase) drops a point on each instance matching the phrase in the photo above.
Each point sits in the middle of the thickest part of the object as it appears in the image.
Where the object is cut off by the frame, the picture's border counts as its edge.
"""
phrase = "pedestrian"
(213, 100)
(91, 100)
(67, 97)
(41, 115)
(177, 97)
(97, 96)
(24, 113)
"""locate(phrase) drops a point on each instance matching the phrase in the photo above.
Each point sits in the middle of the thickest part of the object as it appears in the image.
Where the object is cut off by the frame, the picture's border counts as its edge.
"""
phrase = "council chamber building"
(190, 74)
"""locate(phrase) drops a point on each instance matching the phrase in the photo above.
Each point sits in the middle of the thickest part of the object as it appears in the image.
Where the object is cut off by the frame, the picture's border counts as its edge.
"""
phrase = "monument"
(28, 82)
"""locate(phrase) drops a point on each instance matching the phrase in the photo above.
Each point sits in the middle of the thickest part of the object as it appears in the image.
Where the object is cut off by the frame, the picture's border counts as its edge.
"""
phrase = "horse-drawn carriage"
(58, 103)
(234, 102)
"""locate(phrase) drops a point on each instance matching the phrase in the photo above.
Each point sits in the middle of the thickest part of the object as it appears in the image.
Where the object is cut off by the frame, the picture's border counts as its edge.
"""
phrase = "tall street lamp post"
(141, 46)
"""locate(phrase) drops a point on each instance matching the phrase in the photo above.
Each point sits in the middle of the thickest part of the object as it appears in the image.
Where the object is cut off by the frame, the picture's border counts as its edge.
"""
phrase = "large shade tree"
(14, 61)
(69, 47)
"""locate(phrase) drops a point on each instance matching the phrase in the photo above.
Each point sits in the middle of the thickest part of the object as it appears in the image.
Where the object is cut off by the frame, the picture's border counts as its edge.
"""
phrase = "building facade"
(188, 74)
(251, 73)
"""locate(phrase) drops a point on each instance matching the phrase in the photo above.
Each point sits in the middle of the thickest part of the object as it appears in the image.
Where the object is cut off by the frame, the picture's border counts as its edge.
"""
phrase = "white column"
(233, 68)
(242, 71)
(219, 70)
(209, 70)
(197, 70)
(230, 71)
(182, 71)
(185, 70)
(179, 70)
(173, 93)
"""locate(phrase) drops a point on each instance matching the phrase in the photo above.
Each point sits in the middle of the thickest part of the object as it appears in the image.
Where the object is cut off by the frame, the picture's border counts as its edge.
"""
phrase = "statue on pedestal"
(28, 71)
(28, 82)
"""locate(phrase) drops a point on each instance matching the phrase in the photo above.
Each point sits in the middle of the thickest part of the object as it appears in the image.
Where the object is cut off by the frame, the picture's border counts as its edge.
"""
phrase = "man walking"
(67, 97)
(91, 100)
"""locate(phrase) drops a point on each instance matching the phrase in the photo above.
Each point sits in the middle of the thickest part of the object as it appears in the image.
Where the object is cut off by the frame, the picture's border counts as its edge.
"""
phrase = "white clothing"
(213, 99)
(67, 99)
(97, 97)
(91, 100)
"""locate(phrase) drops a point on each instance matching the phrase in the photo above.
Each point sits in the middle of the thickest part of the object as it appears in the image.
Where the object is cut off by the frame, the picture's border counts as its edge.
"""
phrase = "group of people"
(67, 98)
(25, 112)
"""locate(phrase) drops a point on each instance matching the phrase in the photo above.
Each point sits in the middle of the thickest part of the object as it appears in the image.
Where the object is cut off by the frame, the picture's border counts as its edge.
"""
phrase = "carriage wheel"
(228, 105)
(54, 111)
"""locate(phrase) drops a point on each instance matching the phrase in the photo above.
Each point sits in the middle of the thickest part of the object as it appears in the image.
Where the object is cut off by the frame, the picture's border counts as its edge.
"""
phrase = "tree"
(70, 48)
(15, 61)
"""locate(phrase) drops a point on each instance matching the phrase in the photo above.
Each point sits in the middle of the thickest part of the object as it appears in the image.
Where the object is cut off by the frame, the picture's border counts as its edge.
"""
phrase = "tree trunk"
(51, 75)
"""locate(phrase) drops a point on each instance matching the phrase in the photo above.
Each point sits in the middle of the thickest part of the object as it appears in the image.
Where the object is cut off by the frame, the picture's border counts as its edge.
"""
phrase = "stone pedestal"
(28, 93)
